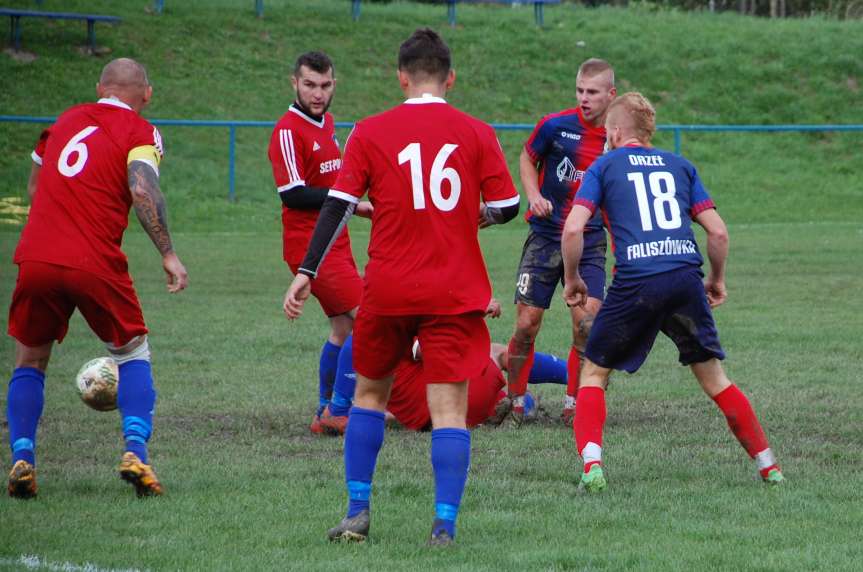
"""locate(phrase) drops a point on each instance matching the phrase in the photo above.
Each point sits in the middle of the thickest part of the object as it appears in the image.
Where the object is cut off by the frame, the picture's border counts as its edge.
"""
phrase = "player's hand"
(364, 209)
(483, 222)
(541, 207)
(493, 310)
(297, 294)
(575, 292)
(716, 292)
(175, 273)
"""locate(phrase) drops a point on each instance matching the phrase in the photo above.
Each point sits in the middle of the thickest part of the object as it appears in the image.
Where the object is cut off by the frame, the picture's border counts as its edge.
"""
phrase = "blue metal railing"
(232, 126)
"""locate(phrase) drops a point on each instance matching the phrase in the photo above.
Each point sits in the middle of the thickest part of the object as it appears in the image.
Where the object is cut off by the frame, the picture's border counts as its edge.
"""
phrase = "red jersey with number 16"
(82, 201)
(426, 167)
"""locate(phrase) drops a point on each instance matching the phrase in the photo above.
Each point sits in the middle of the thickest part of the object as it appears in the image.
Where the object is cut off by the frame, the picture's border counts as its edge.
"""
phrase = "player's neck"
(431, 89)
(306, 111)
(633, 142)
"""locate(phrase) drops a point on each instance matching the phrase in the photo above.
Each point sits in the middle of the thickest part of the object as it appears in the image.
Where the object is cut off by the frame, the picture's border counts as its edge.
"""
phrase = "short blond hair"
(633, 113)
(594, 67)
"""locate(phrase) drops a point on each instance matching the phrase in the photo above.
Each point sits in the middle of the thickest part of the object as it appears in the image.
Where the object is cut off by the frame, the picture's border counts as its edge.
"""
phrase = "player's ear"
(294, 82)
(403, 80)
(148, 95)
(450, 79)
(100, 92)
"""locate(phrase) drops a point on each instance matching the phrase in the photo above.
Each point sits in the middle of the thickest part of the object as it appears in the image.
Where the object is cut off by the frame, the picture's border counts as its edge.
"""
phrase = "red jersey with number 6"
(82, 201)
(426, 167)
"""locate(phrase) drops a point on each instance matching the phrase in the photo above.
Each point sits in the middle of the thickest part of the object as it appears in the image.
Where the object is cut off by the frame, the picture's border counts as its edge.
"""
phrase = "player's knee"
(136, 349)
(581, 331)
(526, 330)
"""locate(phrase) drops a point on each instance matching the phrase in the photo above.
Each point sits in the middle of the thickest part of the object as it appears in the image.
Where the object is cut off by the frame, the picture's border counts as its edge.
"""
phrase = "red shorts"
(455, 348)
(408, 397)
(46, 295)
(338, 286)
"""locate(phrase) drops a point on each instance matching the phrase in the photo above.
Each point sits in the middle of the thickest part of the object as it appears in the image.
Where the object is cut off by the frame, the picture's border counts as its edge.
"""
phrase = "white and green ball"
(97, 383)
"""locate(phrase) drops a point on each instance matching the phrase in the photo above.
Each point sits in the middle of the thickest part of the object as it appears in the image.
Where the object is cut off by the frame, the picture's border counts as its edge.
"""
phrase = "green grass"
(249, 488)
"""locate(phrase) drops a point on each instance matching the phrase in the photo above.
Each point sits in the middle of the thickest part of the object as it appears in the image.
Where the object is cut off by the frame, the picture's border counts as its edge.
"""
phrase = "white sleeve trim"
(344, 196)
(504, 203)
(289, 156)
(290, 186)
(36, 158)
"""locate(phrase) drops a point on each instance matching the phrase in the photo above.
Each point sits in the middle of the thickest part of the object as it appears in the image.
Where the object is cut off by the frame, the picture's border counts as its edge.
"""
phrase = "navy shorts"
(541, 269)
(635, 310)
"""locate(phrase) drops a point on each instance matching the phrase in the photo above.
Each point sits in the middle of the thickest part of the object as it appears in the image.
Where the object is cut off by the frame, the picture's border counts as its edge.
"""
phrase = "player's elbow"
(572, 230)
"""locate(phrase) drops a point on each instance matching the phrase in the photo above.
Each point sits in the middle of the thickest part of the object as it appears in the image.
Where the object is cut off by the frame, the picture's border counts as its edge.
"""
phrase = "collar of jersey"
(114, 102)
(294, 109)
(426, 98)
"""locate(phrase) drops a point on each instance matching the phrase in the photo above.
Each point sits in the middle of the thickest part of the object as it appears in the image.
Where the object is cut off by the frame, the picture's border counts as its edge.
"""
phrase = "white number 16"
(439, 174)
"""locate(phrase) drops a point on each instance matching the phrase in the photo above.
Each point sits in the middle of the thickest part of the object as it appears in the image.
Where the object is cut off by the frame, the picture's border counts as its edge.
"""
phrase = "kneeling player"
(89, 168)
(649, 198)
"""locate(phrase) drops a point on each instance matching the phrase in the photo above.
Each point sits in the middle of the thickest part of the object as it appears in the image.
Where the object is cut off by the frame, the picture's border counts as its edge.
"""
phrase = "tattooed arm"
(150, 207)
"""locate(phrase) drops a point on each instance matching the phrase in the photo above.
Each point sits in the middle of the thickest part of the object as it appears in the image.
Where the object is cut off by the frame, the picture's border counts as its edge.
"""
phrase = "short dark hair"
(425, 53)
(315, 61)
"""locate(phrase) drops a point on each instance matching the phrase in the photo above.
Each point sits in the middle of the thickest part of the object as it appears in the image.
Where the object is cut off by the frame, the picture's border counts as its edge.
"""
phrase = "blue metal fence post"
(677, 142)
(450, 12)
(355, 10)
(537, 14)
(232, 145)
(160, 5)
(259, 8)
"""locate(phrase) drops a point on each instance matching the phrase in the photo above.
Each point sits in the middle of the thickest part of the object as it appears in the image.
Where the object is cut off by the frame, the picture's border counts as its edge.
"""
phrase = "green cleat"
(593, 481)
(774, 477)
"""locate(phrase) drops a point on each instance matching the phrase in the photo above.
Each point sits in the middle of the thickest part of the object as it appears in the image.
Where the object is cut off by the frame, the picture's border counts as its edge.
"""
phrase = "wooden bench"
(16, 15)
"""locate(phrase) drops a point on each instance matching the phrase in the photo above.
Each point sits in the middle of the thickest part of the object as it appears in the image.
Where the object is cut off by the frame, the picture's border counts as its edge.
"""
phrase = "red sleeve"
(39, 151)
(496, 182)
(286, 158)
(144, 133)
(354, 175)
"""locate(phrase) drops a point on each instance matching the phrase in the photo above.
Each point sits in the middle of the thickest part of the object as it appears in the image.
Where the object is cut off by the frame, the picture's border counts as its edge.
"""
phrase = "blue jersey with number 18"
(648, 199)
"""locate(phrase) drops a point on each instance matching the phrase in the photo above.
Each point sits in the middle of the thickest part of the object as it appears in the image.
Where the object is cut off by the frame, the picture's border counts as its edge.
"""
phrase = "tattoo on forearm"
(150, 204)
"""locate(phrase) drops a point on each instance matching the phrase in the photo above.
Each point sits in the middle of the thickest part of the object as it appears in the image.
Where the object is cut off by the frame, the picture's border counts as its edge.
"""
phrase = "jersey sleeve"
(538, 143)
(496, 184)
(39, 150)
(286, 158)
(590, 192)
(354, 175)
(145, 144)
(700, 199)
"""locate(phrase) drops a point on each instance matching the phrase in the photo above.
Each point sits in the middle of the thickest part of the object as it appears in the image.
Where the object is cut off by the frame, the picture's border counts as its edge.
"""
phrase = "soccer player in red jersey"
(305, 157)
(90, 167)
(552, 163)
(426, 167)
(658, 284)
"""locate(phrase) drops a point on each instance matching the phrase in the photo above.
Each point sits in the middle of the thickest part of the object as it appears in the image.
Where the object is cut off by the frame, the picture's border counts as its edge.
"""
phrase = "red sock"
(745, 426)
(588, 424)
(573, 367)
(518, 383)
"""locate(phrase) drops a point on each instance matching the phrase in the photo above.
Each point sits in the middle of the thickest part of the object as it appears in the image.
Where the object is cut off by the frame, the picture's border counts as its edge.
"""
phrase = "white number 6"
(76, 146)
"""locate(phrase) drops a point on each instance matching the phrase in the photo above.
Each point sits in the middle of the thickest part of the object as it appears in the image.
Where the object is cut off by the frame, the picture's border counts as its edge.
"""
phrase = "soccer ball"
(97, 383)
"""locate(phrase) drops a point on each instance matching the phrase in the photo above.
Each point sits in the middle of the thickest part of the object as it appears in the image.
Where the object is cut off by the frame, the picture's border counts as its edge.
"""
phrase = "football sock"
(745, 426)
(327, 373)
(346, 381)
(547, 369)
(450, 457)
(136, 400)
(588, 425)
(363, 439)
(24, 401)
(518, 366)
(573, 368)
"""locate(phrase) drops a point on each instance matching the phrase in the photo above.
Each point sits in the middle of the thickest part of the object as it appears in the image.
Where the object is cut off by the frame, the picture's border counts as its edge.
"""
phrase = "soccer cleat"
(351, 529)
(315, 427)
(139, 475)
(22, 480)
(773, 477)
(333, 424)
(440, 536)
(592, 481)
(501, 410)
(567, 416)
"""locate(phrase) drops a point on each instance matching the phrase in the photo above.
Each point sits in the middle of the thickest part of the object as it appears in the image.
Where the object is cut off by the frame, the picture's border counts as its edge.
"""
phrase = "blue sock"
(547, 369)
(450, 456)
(136, 400)
(327, 373)
(346, 380)
(24, 401)
(363, 439)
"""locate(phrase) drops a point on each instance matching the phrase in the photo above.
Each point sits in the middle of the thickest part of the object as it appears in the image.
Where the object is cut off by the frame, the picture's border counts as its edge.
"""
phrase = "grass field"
(248, 488)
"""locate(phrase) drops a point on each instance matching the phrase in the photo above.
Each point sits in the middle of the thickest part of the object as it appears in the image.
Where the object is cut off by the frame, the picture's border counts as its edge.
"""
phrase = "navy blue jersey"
(648, 198)
(564, 145)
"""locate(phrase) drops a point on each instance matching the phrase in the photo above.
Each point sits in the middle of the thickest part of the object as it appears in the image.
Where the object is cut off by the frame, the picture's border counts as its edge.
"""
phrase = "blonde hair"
(633, 113)
(594, 67)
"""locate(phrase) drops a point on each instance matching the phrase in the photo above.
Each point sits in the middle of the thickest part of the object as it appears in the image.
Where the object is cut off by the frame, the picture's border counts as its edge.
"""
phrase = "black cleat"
(351, 529)
(439, 536)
